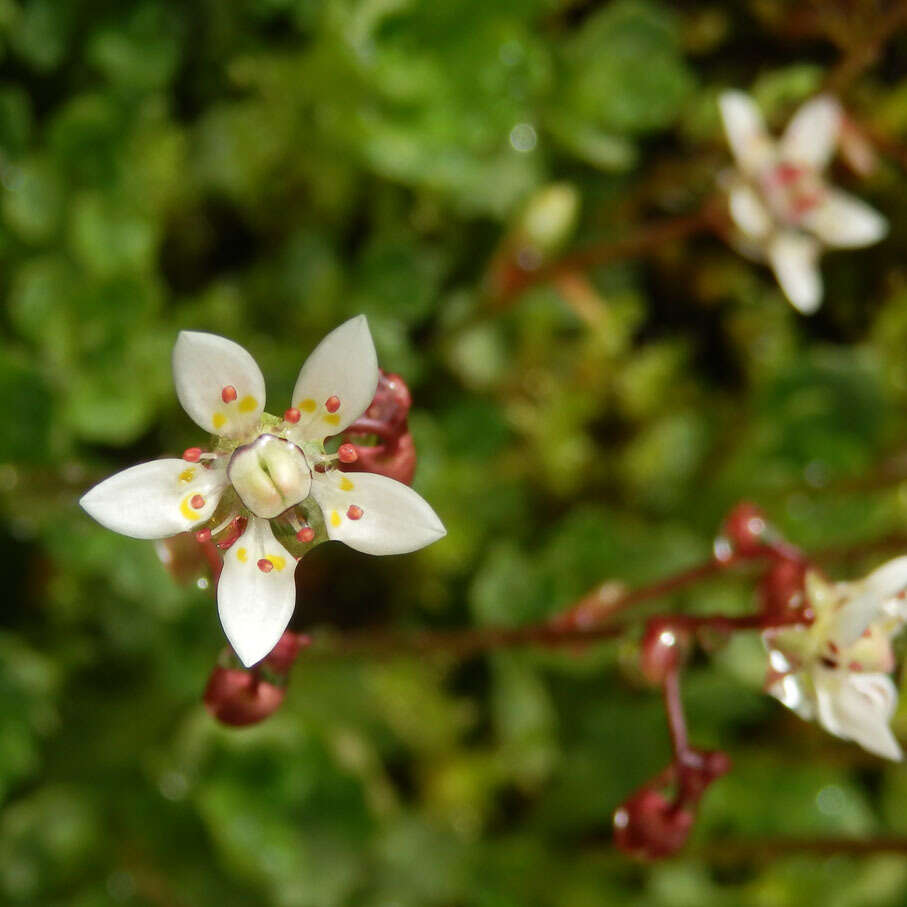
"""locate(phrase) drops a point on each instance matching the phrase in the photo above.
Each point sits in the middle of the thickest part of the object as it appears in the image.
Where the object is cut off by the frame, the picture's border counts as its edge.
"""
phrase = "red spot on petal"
(347, 453)
(192, 454)
(354, 512)
(332, 404)
(306, 534)
(197, 502)
(203, 535)
(265, 565)
(786, 173)
(228, 394)
(292, 415)
(855, 666)
(832, 647)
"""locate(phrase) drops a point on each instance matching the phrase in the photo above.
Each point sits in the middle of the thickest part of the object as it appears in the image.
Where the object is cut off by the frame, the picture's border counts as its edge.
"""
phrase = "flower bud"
(283, 655)
(239, 698)
(664, 649)
(781, 589)
(549, 217)
(650, 826)
(745, 527)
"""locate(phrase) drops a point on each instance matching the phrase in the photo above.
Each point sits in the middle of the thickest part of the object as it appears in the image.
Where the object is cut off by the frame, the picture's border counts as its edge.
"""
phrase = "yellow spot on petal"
(219, 420)
(335, 519)
(278, 562)
(187, 510)
(332, 419)
(308, 406)
(242, 555)
(346, 484)
(247, 404)
(187, 475)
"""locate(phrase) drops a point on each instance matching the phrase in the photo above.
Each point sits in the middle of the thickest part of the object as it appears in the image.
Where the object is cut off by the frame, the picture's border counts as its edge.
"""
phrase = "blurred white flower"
(836, 670)
(261, 468)
(784, 210)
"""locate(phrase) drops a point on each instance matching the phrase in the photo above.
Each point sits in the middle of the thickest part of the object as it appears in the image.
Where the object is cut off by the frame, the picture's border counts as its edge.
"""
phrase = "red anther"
(803, 203)
(745, 527)
(228, 394)
(332, 404)
(291, 415)
(197, 502)
(192, 454)
(203, 535)
(306, 534)
(833, 648)
(354, 512)
(855, 666)
(787, 173)
(265, 565)
(347, 453)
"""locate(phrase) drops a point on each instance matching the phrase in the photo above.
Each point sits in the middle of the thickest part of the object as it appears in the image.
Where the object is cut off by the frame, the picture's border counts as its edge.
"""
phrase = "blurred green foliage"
(265, 169)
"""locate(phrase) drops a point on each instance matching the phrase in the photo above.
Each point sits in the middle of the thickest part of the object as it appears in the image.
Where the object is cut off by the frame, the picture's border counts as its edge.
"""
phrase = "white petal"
(204, 365)
(752, 146)
(812, 133)
(858, 707)
(846, 222)
(155, 500)
(254, 606)
(394, 518)
(793, 258)
(792, 692)
(875, 592)
(344, 365)
(748, 212)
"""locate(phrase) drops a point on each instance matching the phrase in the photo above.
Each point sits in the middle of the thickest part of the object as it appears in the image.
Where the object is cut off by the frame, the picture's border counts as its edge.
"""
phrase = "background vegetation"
(265, 169)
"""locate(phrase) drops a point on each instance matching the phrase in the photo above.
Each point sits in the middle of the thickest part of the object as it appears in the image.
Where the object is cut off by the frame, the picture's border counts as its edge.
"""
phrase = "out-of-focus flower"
(267, 477)
(836, 670)
(784, 210)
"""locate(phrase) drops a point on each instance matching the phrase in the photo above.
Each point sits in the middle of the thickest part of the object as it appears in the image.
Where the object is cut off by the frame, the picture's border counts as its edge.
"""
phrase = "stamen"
(292, 415)
(192, 454)
(265, 565)
(203, 535)
(347, 453)
(228, 394)
(197, 502)
(306, 534)
(354, 512)
(332, 404)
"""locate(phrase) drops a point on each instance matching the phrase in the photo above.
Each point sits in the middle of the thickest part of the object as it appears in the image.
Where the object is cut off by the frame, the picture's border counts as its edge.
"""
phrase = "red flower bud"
(650, 826)
(240, 698)
(664, 648)
(781, 591)
(283, 655)
(745, 528)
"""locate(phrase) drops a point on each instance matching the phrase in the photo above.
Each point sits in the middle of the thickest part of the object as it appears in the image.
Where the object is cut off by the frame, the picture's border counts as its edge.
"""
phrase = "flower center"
(792, 191)
(270, 475)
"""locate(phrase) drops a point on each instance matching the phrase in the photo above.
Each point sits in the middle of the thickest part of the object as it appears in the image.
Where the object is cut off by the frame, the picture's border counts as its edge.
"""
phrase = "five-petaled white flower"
(267, 474)
(783, 208)
(837, 669)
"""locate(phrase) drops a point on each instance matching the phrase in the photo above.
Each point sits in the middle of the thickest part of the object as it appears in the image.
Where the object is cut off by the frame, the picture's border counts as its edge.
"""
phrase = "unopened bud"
(745, 527)
(240, 698)
(663, 650)
(781, 590)
(650, 826)
(283, 655)
(549, 217)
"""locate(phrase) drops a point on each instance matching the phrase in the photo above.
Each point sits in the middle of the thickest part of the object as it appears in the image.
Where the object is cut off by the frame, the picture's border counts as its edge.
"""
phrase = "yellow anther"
(247, 404)
(242, 555)
(186, 508)
(346, 484)
(335, 519)
(187, 475)
(278, 562)
(219, 420)
(332, 419)
(308, 406)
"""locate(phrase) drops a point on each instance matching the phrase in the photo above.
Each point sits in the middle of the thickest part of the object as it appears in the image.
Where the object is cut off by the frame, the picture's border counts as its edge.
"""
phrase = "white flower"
(779, 201)
(836, 670)
(267, 477)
